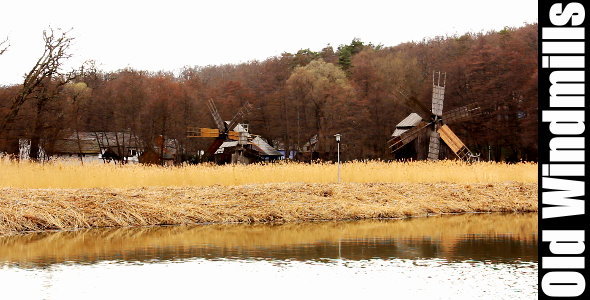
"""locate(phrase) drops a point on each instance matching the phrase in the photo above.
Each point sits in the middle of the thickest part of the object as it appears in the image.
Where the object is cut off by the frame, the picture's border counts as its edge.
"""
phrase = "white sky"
(169, 34)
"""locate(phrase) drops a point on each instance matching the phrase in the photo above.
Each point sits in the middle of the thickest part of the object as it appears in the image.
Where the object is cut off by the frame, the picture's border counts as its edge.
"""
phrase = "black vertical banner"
(563, 219)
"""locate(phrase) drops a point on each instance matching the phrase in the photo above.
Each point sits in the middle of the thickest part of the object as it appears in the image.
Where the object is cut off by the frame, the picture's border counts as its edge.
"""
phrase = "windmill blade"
(234, 135)
(411, 134)
(449, 137)
(438, 97)
(213, 147)
(215, 114)
(434, 146)
(196, 132)
(245, 110)
(413, 102)
(463, 113)
(438, 94)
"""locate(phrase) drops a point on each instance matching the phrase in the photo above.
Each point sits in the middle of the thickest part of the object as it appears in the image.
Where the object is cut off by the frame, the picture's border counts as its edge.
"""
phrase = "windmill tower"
(225, 131)
(435, 125)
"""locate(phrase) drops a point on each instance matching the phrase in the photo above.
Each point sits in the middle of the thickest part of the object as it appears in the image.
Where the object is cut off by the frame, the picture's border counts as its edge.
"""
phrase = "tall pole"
(338, 151)
(338, 161)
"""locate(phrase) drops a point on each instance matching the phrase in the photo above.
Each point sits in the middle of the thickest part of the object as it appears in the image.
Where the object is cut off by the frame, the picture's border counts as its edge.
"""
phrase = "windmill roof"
(312, 141)
(263, 147)
(258, 144)
(238, 128)
(226, 144)
(398, 131)
(410, 121)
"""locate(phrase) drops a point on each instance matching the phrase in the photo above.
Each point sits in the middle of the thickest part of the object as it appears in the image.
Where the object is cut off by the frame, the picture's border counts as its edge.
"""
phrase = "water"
(488, 256)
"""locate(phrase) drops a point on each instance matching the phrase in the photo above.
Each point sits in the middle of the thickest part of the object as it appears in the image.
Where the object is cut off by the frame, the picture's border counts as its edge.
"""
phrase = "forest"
(352, 89)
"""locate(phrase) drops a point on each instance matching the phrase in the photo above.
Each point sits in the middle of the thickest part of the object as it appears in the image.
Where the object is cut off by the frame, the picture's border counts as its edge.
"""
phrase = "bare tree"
(3, 48)
(47, 67)
(43, 82)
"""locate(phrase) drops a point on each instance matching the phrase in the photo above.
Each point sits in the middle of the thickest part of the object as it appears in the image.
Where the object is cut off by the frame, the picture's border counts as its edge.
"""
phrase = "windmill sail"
(213, 147)
(463, 113)
(438, 98)
(215, 114)
(434, 146)
(411, 134)
(411, 101)
(455, 143)
(438, 94)
(201, 132)
(246, 108)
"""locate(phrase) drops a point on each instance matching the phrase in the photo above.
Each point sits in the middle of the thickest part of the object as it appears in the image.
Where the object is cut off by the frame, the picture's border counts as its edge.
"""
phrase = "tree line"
(352, 89)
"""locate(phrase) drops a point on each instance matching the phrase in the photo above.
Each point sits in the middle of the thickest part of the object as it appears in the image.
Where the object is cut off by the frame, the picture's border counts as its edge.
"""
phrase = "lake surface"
(489, 256)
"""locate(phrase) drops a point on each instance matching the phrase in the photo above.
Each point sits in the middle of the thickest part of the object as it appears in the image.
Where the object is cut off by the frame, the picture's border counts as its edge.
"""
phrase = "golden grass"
(62, 195)
(99, 175)
(43, 209)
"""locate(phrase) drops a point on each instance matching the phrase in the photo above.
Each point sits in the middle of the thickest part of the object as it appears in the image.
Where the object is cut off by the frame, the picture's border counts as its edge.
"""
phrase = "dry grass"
(73, 175)
(43, 209)
(65, 196)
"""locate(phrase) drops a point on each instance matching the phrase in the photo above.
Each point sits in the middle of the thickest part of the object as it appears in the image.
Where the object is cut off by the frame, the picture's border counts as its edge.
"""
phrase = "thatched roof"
(73, 147)
(94, 142)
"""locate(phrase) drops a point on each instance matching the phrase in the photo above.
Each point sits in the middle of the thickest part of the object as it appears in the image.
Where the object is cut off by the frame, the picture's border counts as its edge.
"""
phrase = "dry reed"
(43, 209)
(98, 175)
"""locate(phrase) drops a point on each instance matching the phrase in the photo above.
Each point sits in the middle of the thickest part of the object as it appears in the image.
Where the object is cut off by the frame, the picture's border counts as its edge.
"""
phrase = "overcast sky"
(169, 34)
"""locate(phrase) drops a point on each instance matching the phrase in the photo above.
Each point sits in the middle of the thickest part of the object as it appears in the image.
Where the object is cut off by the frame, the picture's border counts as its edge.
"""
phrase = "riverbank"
(23, 210)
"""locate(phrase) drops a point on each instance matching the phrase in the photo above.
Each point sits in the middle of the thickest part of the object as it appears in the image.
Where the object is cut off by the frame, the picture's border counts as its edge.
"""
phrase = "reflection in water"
(470, 256)
(477, 237)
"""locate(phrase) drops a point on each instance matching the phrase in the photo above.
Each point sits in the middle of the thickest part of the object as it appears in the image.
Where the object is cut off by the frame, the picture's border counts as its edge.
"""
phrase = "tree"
(3, 48)
(351, 90)
(345, 53)
(77, 93)
(319, 87)
(39, 82)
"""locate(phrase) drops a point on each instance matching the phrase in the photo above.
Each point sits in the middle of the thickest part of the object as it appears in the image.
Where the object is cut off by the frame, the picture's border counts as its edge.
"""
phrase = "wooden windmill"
(225, 130)
(415, 125)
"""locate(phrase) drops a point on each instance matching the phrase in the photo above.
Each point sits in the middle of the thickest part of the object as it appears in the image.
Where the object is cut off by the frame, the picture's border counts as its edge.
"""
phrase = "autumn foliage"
(350, 90)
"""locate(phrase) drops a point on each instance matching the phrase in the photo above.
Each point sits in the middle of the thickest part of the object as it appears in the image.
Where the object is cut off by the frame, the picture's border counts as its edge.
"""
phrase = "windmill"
(225, 130)
(435, 125)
